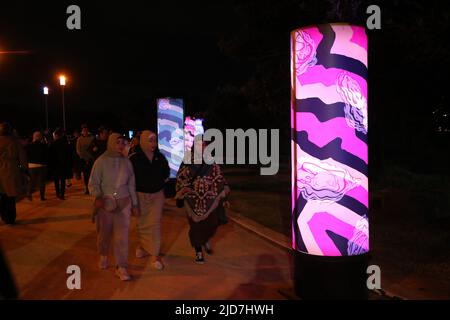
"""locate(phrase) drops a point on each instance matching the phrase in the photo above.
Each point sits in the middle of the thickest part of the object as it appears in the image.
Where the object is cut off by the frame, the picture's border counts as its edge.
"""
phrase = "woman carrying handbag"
(112, 182)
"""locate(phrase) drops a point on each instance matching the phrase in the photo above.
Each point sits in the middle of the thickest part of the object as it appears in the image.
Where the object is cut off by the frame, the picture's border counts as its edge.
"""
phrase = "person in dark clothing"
(99, 144)
(151, 171)
(13, 173)
(8, 209)
(60, 162)
(8, 290)
(135, 143)
(47, 137)
(37, 165)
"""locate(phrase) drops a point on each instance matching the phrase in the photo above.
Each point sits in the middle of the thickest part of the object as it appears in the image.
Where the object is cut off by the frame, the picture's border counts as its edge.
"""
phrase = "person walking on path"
(201, 188)
(37, 165)
(99, 144)
(134, 144)
(60, 162)
(151, 170)
(76, 161)
(47, 137)
(112, 183)
(83, 143)
(13, 173)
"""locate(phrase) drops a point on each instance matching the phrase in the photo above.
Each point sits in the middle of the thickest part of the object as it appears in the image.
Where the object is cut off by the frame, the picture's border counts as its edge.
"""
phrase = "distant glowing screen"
(329, 140)
(170, 132)
(192, 127)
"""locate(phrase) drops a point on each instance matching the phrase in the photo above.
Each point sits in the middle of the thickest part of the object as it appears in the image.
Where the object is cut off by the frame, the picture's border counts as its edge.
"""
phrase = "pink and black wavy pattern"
(329, 117)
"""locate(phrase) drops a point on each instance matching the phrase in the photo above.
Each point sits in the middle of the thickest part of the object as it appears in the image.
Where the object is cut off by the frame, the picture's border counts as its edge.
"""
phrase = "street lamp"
(46, 106)
(62, 82)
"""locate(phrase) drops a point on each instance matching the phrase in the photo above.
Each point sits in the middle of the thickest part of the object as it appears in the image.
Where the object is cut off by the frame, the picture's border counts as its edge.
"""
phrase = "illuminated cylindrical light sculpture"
(171, 132)
(329, 120)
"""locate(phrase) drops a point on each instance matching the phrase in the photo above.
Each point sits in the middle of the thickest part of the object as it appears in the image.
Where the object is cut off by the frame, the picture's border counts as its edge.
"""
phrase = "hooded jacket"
(113, 174)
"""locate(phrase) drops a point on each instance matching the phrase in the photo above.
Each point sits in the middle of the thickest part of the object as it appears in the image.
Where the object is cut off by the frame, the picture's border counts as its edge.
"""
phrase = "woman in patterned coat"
(203, 189)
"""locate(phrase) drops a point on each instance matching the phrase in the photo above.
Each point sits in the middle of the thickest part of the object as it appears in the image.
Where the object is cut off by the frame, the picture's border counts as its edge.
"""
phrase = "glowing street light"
(46, 90)
(62, 80)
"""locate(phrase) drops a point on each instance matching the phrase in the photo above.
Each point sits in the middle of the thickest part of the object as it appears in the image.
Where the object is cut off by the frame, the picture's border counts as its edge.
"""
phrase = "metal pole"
(46, 111)
(64, 110)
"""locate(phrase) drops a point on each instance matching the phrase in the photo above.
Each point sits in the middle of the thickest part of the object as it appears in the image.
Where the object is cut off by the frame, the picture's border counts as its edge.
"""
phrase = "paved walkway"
(54, 234)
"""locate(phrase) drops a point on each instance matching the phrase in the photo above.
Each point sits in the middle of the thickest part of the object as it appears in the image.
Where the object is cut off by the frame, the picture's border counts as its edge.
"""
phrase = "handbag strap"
(118, 177)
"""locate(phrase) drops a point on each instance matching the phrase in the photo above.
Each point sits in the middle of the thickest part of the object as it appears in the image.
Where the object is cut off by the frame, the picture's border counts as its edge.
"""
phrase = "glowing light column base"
(329, 147)
(317, 277)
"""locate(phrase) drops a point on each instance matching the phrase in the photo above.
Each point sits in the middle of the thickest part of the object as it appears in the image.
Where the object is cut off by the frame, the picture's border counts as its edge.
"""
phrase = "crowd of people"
(58, 157)
(126, 178)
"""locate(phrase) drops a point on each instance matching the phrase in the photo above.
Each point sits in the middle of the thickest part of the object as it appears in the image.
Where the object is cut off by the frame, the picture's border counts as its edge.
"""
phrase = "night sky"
(122, 59)
(229, 61)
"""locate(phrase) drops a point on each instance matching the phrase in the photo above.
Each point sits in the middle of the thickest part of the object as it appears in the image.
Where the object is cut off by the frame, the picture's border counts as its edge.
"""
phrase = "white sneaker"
(103, 262)
(122, 273)
(158, 265)
(208, 248)
(141, 253)
(199, 258)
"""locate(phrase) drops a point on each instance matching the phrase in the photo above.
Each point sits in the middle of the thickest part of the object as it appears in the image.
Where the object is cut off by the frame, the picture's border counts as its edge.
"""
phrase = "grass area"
(265, 199)
(409, 215)
(408, 237)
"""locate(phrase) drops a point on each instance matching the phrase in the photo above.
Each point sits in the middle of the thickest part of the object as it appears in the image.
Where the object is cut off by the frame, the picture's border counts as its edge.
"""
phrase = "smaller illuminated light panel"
(170, 132)
(192, 127)
(329, 140)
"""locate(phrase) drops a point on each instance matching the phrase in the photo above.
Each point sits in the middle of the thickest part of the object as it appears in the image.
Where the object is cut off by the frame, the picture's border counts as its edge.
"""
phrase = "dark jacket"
(76, 161)
(97, 148)
(150, 175)
(13, 166)
(60, 159)
(37, 153)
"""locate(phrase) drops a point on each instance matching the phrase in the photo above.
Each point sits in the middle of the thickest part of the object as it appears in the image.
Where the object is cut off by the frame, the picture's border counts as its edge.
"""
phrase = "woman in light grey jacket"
(112, 182)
